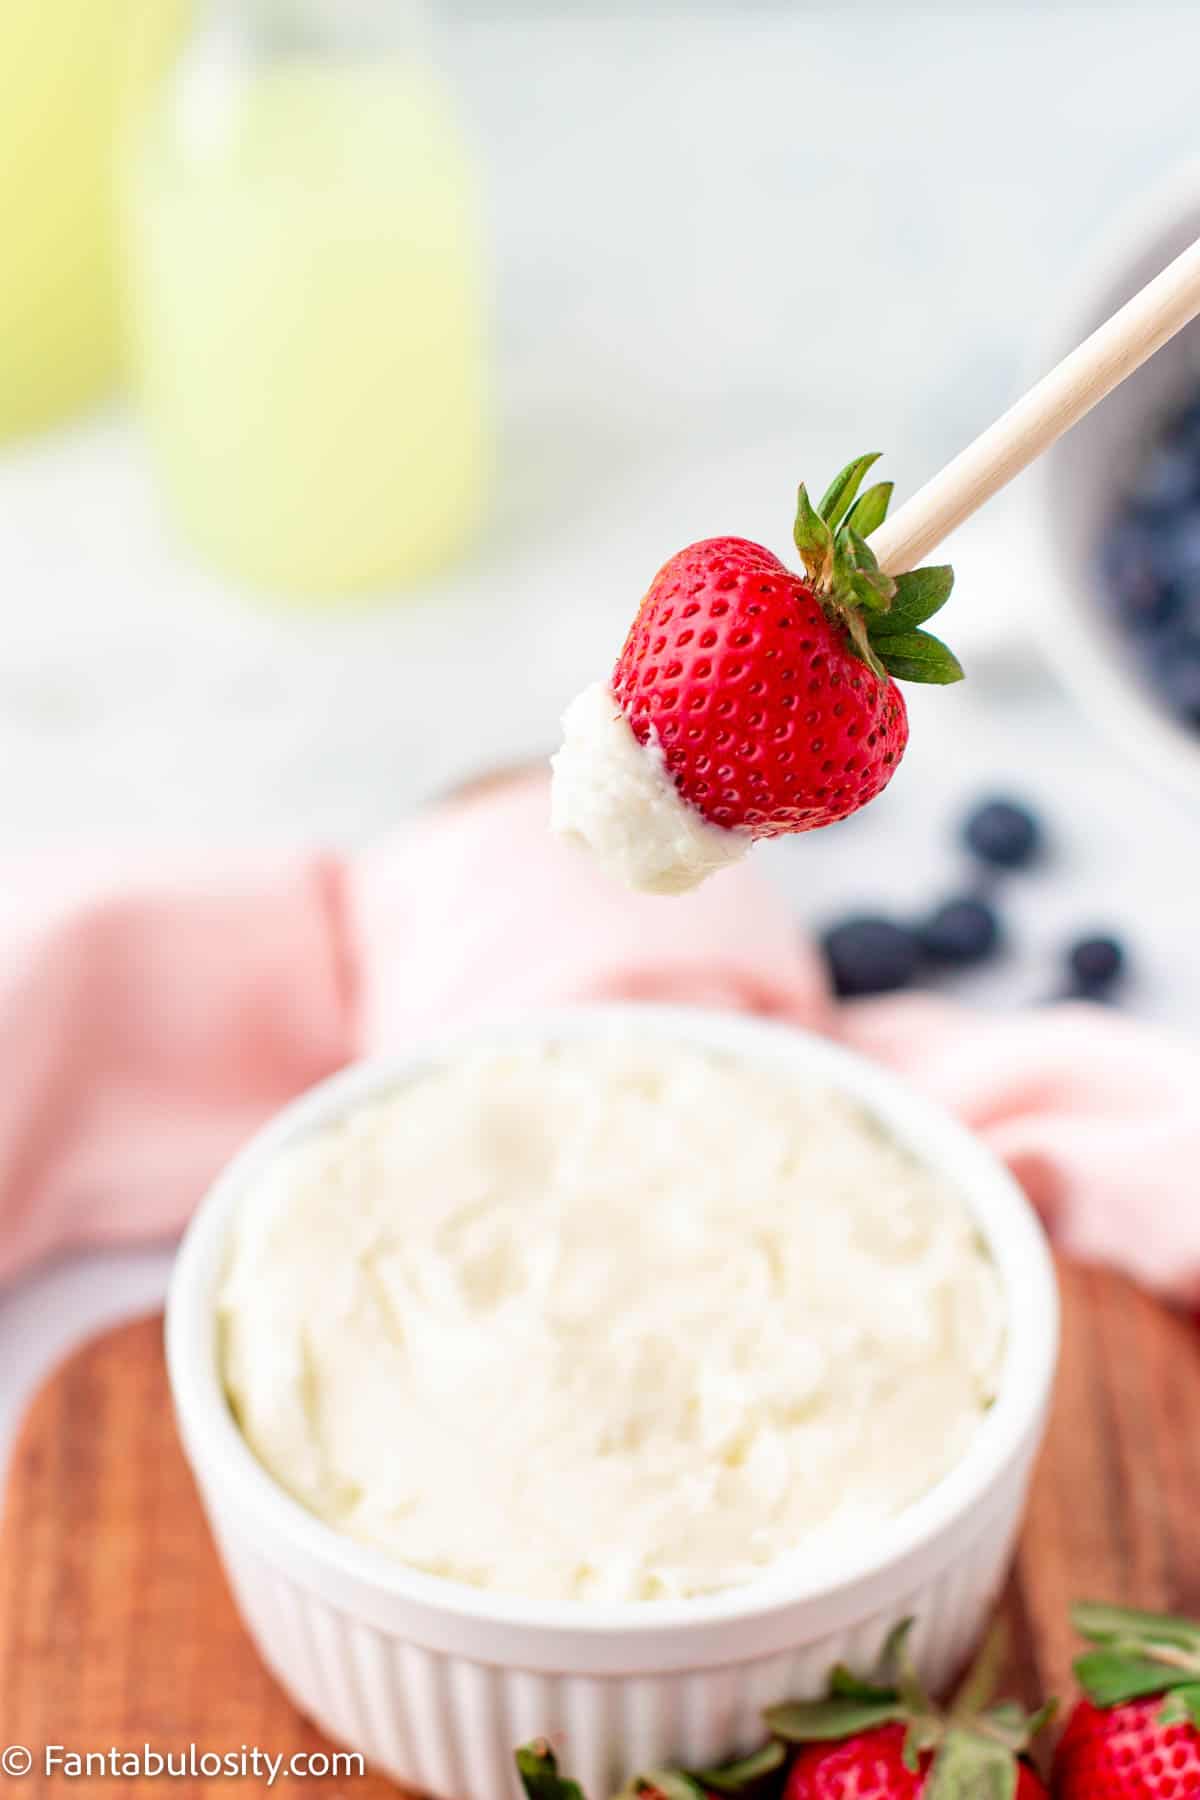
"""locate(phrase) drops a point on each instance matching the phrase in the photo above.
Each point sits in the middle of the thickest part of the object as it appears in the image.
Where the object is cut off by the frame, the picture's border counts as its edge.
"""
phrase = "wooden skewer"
(1121, 345)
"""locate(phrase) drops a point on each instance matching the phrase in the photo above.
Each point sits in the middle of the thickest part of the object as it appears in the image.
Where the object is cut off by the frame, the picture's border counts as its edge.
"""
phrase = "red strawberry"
(888, 1742)
(773, 695)
(1137, 1734)
(871, 1766)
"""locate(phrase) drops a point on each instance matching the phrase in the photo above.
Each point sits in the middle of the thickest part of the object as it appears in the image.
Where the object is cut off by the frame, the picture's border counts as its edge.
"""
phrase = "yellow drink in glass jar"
(69, 69)
(306, 309)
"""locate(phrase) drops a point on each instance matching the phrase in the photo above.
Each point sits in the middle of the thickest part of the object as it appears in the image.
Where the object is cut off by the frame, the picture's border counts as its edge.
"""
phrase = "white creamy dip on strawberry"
(613, 795)
(607, 1321)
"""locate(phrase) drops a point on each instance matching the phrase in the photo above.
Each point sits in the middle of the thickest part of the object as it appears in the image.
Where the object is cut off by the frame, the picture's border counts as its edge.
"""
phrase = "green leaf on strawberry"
(1110, 1677)
(746, 1773)
(874, 589)
(920, 594)
(814, 540)
(1012, 1725)
(1102, 1624)
(870, 509)
(744, 1776)
(917, 656)
(839, 496)
(665, 1784)
(1182, 1706)
(537, 1767)
(880, 612)
(1137, 1654)
(821, 1721)
(844, 1681)
(969, 1767)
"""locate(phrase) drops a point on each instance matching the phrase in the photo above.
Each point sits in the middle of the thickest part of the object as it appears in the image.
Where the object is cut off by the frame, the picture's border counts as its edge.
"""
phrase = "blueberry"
(961, 931)
(1180, 555)
(1176, 676)
(1003, 833)
(1183, 433)
(1095, 964)
(1133, 565)
(1167, 480)
(1186, 620)
(870, 955)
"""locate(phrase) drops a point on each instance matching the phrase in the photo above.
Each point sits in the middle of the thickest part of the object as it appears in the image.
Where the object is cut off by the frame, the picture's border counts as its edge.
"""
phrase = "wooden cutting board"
(116, 1626)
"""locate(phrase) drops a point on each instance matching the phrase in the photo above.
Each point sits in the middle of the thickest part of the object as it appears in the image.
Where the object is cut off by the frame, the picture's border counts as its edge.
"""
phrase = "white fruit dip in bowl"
(610, 1373)
(681, 1315)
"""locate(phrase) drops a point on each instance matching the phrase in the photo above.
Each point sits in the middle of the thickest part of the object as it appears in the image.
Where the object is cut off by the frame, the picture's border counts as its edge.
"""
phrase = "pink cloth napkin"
(150, 1019)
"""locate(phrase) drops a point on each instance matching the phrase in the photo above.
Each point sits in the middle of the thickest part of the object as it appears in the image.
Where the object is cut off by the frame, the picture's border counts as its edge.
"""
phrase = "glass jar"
(306, 297)
(68, 71)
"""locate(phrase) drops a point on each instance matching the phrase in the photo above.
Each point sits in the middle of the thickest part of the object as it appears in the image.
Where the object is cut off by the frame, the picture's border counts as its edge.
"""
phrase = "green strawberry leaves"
(1182, 1706)
(744, 1776)
(874, 590)
(667, 1784)
(1137, 1655)
(851, 1686)
(1009, 1724)
(917, 656)
(1121, 1624)
(746, 1773)
(814, 541)
(537, 1767)
(882, 613)
(972, 1749)
(839, 495)
(919, 595)
(968, 1766)
(870, 509)
(1111, 1677)
(828, 1721)
(906, 652)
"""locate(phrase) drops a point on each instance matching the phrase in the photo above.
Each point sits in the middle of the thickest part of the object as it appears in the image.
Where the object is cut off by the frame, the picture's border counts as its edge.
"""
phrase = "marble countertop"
(730, 249)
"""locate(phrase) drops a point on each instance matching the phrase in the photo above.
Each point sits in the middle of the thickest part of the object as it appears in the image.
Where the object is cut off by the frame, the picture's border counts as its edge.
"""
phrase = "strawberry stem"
(881, 614)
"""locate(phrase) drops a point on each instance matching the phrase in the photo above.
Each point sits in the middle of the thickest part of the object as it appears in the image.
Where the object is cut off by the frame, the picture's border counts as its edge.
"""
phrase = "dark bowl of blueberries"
(1121, 510)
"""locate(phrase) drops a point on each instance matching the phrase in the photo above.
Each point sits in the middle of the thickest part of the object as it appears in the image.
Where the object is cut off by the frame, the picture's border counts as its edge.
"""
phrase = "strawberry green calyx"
(972, 1749)
(1138, 1655)
(975, 1745)
(537, 1767)
(882, 614)
(748, 1775)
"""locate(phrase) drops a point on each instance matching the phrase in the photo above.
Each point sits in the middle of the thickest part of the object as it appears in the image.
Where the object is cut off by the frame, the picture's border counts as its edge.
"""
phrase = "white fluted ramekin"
(435, 1682)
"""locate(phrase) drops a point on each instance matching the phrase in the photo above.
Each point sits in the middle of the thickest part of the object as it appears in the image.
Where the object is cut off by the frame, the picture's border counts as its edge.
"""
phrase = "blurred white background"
(732, 246)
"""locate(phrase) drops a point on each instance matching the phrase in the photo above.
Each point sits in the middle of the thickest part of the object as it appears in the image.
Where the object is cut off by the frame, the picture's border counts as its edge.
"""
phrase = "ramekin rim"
(221, 1455)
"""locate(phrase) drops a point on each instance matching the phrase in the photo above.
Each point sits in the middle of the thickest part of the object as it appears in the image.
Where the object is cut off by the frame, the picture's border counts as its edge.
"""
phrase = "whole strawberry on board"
(1136, 1735)
(888, 1741)
(751, 701)
(865, 1741)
